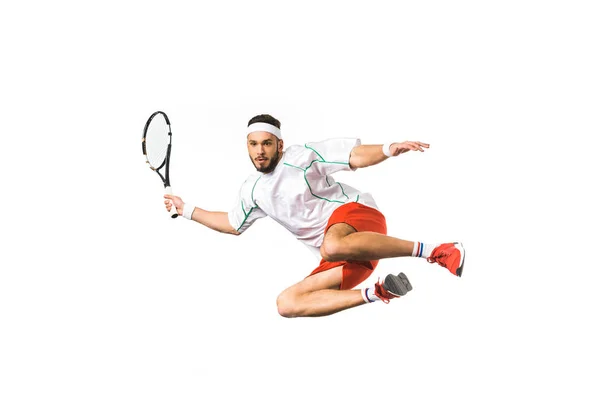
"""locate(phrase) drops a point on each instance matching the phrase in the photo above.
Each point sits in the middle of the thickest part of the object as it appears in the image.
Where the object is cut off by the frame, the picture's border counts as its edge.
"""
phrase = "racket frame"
(166, 180)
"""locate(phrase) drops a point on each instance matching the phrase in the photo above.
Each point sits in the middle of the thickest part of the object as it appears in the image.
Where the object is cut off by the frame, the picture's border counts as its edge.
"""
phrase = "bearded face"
(264, 150)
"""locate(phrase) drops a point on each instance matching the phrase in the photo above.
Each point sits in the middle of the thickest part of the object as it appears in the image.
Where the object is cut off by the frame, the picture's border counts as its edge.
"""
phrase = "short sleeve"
(245, 211)
(333, 155)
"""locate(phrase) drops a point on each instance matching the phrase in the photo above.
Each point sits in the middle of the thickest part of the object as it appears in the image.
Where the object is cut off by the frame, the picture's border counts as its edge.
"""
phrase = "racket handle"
(173, 211)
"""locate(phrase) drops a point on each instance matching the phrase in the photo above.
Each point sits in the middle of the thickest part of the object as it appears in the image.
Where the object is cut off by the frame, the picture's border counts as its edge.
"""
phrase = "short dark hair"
(266, 118)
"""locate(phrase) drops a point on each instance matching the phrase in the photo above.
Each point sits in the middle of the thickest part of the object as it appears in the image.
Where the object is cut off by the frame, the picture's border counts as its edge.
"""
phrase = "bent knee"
(287, 305)
(333, 250)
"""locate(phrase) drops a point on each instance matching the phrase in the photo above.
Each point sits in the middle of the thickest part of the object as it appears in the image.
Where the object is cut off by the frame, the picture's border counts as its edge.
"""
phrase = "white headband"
(263, 127)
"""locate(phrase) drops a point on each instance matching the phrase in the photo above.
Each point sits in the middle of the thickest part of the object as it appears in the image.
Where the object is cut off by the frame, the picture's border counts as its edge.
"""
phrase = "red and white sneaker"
(450, 256)
(392, 287)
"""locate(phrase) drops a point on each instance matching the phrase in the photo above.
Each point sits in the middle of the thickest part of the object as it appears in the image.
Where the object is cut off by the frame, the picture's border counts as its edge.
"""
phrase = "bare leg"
(342, 242)
(318, 295)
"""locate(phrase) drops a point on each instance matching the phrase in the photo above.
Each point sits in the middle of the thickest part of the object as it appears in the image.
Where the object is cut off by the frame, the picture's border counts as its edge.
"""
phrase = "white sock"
(423, 250)
(368, 294)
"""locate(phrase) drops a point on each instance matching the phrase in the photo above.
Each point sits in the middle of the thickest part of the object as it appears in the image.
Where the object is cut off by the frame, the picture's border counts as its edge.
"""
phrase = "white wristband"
(386, 149)
(188, 210)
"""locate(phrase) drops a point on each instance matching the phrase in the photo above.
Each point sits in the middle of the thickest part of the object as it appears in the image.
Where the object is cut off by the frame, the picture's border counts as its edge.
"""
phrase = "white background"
(102, 296)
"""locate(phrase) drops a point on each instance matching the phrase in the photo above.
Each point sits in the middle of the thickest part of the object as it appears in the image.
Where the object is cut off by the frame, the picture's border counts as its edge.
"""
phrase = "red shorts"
(363, 219)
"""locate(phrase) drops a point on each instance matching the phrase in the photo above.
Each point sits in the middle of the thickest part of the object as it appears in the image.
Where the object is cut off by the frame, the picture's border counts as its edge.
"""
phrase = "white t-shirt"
(300, 194)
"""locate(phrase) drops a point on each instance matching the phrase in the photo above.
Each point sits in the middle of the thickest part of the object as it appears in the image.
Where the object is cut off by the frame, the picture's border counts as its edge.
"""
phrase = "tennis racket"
(156, 145)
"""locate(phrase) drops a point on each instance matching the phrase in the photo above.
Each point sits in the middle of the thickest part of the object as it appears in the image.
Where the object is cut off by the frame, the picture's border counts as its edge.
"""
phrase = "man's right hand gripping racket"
(156, 145)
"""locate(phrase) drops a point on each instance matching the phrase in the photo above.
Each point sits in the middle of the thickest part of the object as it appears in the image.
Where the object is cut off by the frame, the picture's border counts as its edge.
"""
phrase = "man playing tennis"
(341, 224)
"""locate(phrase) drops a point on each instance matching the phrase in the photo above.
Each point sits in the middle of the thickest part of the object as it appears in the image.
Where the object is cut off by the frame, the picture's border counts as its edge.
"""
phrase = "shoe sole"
(397, 285)
(460, 248)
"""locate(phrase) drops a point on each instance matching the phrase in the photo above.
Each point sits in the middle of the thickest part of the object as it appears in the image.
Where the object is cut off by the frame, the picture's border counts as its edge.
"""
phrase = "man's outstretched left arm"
(370, 154)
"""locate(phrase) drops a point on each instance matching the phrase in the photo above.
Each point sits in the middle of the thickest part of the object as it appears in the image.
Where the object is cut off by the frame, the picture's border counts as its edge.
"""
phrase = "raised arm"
(370, 154)
(215, 220)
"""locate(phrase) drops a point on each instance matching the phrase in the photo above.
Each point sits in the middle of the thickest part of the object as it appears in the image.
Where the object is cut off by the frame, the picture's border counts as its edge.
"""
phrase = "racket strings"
(156, 156)
(157, 142)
